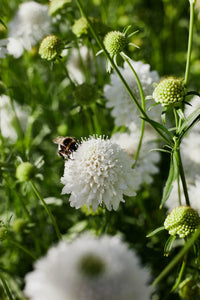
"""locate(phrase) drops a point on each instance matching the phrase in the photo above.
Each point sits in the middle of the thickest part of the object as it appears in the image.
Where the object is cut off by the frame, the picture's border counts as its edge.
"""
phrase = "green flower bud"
(19, 224)
(50, 47)
(62, 129)
(183, 220)
(55, 6)
(81, 27)
(189, 289)
(115, 42)
(170, 91)
(91, 265)
(85, 93)
(25, 172)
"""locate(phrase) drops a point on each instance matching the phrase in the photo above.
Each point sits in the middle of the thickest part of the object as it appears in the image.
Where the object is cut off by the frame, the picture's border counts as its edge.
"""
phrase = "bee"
(66, 145)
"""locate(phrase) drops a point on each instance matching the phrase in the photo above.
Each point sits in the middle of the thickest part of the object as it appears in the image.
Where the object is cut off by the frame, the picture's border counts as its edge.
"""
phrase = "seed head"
(51, 47)
(170, 91)
(183, 220)
(115, 42)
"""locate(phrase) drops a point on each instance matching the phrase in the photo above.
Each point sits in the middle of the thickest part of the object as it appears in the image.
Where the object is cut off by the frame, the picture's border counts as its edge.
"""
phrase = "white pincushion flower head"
(30, 24)
(124, 110)
(100, 172)
(88, 268)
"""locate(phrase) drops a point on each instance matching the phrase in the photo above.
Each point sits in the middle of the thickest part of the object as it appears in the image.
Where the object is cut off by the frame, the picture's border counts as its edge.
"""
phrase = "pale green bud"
(189, 289)
(91, 265)
(170, 91)
(182, 220)
(50, 47)
(25, 172)
(115, 42)
(55, 6)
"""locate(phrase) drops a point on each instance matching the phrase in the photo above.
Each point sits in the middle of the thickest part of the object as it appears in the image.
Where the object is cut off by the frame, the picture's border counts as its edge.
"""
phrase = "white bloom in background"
(195, 103)
(3, 48)
(74, 63)
(193, 186)
(100, 172)
(7, 116)
(30, 24)
(15, 47)
(146, 164)
(124, 110)
(89, 268)
(190, 153)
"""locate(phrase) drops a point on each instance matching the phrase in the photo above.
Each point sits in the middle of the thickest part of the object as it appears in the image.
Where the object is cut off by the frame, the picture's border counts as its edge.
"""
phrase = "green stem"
(5, 286)
(182, 175)
(143, 107)
(119, 73)
(191, 26)
(180, 275)
(177, 258)
(47, 210)
(22, 248)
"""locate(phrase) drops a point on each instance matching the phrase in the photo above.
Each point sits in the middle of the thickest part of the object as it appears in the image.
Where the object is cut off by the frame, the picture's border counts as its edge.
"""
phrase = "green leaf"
(169, 244)
(189, 122)
(158, 125)
(173, 174)
(155, 231)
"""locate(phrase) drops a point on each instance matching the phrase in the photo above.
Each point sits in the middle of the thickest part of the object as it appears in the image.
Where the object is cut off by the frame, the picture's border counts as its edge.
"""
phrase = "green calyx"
(170, 91)
(115, 42)
(51, 47)
(55, 6)
(189, 289)
(25, 172)
(183, 220)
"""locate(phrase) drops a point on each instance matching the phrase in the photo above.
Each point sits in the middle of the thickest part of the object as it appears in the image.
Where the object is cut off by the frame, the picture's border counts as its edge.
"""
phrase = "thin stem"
(180, 275)
(5, 286)
(177, 258)
(47, 210)
(143, 107)
(182, 175)
(119, 73)
(191, 26)
(22, 248)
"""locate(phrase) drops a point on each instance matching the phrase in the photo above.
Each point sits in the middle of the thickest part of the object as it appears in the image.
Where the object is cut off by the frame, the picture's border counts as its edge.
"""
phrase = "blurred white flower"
(124, 110)
(15, 47)
(30, 24)
(100, 172)
(194, 104)
(89, 268)
(146, 164)
(193, 192)
(7, 117)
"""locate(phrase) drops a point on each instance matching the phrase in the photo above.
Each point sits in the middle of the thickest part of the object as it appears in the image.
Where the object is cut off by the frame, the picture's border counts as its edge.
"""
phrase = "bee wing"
(58, 140)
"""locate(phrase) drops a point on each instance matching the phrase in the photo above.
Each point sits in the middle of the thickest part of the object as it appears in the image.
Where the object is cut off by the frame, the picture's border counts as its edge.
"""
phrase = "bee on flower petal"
(66, 146)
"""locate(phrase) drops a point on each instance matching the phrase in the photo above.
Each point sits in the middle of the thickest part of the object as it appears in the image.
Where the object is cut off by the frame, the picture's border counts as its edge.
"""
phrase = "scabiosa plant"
(81, 27)
(30, 24)
(25, 171)
(51, 47)
(170, 91)
(99, 173)
(88, 268)
(182, 221)
(123, 109)
(189, 289)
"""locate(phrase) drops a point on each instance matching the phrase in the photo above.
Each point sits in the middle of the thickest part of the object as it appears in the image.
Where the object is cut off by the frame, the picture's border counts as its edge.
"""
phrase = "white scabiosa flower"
(100, 172)
(30, 24)
(148, 160)
(124, 110)
(89, 268)
(7, 116)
